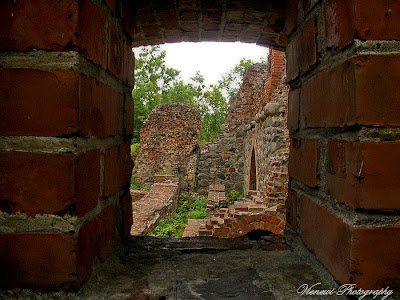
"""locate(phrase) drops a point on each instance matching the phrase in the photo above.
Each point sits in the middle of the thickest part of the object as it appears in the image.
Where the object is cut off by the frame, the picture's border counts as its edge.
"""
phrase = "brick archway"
(261, 22)
(73, 118)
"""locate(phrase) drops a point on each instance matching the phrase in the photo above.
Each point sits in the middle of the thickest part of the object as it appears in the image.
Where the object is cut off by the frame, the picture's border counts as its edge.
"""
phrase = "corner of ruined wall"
(222, 162)
(270, 136)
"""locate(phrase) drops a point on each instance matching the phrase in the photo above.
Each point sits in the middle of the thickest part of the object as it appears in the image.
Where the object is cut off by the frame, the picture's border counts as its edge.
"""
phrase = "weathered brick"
(329, 97)
(31, 258)
(97, 239)
(327, 236)
(117, 168)
(165, 5)
(129, 66)
(100, 108)
(66, 25)
(129, 10)
(47, 105)
(346, 249)
(35, 183)
(361, 19)
(45, 261)
(291, 209)
(91, 31)
(291, 15)
(339, 22)
(376, 267)
(358, 91)
(282, 224)
(364, 174)
(87, 181)
(115, 53)
(211, 4)
(302, 50)
(34, 24)
(377, 89)
(303, 161)
(128, 114)
(212, 20)
(127, 214)
(294, 110)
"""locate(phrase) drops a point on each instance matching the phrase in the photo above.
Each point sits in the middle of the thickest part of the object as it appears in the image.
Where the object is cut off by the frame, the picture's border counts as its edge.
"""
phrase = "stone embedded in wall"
(222, 161)
(169, 144)
(270, 136)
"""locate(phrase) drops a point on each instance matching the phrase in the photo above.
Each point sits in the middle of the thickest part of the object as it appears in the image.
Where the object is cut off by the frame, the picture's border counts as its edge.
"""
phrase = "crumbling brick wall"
(169, 144)
(222, 162)
(268, 136)
(257, 119)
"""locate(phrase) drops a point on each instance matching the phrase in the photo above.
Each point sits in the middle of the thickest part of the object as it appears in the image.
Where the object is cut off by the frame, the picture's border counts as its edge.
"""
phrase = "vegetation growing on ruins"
(158, 84)
(232, 196)
(189, 207)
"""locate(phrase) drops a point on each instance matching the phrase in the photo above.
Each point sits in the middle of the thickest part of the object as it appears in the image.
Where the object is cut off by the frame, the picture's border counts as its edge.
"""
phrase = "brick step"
(193, 226)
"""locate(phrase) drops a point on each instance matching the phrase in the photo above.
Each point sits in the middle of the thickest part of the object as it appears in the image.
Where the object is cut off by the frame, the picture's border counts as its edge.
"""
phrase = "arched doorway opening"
(253, 172)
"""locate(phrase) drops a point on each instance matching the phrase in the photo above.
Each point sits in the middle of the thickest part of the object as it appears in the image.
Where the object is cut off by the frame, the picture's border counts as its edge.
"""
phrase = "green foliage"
(188, 208)
(135, 185)
(230, 82)
(134, 149)
(232, 196)
(157, 84)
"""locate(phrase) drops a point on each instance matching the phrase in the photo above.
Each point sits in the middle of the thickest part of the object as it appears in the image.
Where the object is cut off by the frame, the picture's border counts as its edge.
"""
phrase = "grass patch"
(136, 186)
(188, 208)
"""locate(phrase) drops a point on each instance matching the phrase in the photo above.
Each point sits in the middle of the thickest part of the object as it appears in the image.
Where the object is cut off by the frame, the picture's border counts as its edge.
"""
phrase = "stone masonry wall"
(169, 144)
(269, 136)
(222, 162)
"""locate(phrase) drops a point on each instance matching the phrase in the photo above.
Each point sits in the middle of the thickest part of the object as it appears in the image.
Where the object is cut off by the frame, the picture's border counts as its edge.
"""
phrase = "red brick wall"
(169, 144)
(343, 69)
(66, 119)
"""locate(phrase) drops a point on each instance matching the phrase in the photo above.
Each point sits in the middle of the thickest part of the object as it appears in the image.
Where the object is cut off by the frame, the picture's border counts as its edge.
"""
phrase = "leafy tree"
(158, 84)
(230, 82)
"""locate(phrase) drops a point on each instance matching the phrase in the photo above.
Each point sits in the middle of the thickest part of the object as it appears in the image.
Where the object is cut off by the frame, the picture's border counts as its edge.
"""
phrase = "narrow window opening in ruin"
(253, 172)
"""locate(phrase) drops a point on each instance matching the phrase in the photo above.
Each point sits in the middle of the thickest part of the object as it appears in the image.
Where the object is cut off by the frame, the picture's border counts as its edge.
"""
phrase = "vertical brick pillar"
(66, 119)
(344, 116)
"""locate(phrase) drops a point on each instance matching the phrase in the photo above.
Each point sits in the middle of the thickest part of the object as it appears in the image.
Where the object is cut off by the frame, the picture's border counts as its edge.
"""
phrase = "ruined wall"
(169, 144)
(269, 136)
(222, 162)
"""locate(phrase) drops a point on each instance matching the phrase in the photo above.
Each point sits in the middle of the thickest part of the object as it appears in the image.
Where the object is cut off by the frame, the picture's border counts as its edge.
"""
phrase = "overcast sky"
(210, 58)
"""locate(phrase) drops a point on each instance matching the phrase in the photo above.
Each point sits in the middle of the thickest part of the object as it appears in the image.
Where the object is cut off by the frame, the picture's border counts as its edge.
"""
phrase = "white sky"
(212, 59)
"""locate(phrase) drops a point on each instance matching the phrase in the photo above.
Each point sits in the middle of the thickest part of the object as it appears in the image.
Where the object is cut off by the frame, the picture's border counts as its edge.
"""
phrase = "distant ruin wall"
(169, 144)
(256, 120)
(222, 162)
(269, 136)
